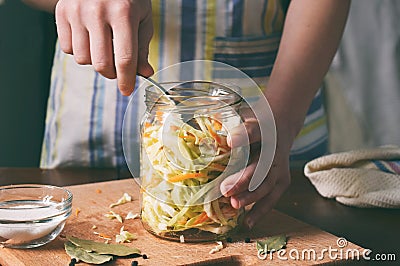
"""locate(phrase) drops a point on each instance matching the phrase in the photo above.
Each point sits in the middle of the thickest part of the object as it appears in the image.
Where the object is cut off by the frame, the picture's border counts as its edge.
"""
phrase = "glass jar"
(184, 159)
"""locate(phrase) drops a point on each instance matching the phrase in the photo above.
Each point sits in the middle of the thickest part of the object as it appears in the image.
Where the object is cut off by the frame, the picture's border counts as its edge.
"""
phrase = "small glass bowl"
(32, 215)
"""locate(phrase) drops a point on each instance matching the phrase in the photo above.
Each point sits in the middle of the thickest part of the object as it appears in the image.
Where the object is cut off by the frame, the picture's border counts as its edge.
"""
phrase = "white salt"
(24, 232)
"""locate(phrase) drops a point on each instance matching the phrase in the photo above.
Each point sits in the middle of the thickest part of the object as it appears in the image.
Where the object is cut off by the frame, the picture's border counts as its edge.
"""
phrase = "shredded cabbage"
(179, 163)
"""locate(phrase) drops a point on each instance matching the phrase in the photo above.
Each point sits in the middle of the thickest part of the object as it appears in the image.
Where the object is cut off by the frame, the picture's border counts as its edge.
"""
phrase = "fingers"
(131, 49)
(73, 35)
(145, 34)
(102, 56)
(264, 205)
(80, 44)
(143, 67)
(237, 138)
(246, 197)
(113, 36)
(63, 30)
(238, 182)
(265, 196)
(125, 53)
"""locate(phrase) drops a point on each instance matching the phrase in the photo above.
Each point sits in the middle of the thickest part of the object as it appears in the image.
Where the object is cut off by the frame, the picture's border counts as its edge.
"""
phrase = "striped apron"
(85, 110)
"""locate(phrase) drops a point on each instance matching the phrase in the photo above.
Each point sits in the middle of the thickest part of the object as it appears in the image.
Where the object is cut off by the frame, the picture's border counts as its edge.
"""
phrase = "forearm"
(45, 5)
(311, 35)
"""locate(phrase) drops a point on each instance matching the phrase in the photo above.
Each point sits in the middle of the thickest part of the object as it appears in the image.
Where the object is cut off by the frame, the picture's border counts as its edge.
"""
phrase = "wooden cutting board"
(91, 202)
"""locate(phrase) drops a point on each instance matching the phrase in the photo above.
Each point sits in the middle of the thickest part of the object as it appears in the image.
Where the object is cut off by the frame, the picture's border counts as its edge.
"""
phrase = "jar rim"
(205, 94)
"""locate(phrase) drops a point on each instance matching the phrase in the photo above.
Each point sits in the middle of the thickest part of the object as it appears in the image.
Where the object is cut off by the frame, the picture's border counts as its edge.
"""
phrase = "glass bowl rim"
(64, 202)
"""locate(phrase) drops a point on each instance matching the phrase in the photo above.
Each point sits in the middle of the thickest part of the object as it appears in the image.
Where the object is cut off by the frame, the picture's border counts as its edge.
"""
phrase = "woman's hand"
(310, 38)
(276, 179)
(113, 36)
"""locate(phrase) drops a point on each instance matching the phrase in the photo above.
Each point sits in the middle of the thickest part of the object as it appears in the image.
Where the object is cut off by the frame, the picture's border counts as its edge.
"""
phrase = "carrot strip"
(181, 177)
(217, 125)
(188, 138)
(146, 134)
(214, 134)
(159, 115)
(147, 124)
(201, 219)
(104, 235)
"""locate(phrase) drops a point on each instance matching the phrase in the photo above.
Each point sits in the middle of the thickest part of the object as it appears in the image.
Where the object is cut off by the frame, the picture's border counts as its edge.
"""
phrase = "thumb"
(252, 134)
(144, 35)
(144, 68)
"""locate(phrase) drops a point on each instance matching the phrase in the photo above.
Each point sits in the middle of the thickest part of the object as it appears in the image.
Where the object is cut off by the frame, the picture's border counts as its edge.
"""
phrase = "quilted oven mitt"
(362, 178)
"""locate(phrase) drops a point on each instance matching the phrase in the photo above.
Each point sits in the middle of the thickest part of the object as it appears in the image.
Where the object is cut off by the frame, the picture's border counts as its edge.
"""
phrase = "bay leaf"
(103, 248)
(89, 257)
(273, 243)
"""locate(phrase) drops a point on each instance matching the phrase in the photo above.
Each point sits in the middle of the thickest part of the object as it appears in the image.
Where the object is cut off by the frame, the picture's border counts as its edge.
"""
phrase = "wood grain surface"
(91, 202)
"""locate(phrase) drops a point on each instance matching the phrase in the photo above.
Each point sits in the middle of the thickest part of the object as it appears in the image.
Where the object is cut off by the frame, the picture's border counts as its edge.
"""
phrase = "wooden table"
(375, 229)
